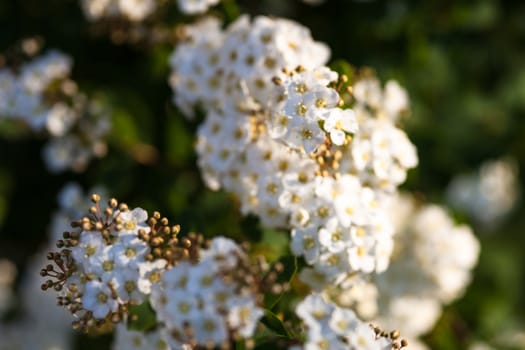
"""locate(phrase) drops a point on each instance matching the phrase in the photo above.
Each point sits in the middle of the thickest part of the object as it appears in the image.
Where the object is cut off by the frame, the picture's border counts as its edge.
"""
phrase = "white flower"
(209, 327)
(133, 221)
(98, 299)
(243, 316)
(338, 123)
(364, 338)
(90, 246)
(331, 327)
(181, 308)
(60, 119)
(130, 252)
(314, 311)
(305, 243)
(125, 281)
(430, 266)
(150, 273)
(334, 237)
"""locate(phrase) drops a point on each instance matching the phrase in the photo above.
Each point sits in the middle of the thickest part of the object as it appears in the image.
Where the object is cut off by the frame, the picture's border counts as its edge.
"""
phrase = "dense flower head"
(332, 327)
(202, 303)
(111, 261)
(237, 65)
(301, 147)
(23, 93)
(431, 266)
(202, 291)
(42, 96)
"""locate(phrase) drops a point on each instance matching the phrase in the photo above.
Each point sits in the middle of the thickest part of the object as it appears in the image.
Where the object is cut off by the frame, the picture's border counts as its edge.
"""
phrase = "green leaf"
(146, 318)
(231, 10)
(290, 264)
(343, 68)
(273, 245)
(124, 129)
(273, 322)
(179, 141)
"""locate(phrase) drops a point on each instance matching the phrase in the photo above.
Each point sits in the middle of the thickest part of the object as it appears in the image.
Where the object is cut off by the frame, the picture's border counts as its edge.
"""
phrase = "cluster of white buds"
(431, 266)
(42, 96)
(332, 327)
(301, 147)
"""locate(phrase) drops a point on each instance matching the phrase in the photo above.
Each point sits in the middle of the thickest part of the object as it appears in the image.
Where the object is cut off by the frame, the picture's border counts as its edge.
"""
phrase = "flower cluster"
(217, 68)
(203, 292)
(41, 95)
(333, 327)
(280, 134)
(110, 263)
(431, 266)
(202, 303)
(488, 195)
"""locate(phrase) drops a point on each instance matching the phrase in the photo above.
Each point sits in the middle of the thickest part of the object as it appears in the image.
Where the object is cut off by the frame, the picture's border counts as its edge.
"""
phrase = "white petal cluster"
(21, 95)
(42, 96)
(275, 136)
(112, 273)
(332, 327)
(380, 152)
(236, 66)
(431, 266)
(133, 10)
(488, 195)
(305, 112)
(201, 298)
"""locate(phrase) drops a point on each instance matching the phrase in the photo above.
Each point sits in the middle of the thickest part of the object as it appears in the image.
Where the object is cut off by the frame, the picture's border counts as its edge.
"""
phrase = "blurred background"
(462, 62)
